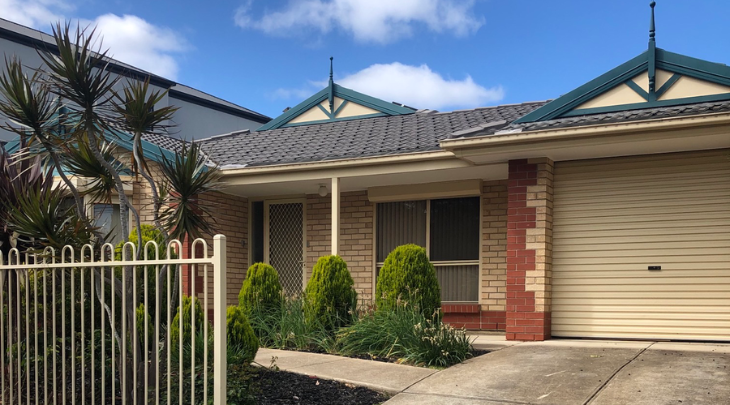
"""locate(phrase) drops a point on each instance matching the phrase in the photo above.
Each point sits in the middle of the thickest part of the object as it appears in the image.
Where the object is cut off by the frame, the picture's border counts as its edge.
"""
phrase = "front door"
(284, 238)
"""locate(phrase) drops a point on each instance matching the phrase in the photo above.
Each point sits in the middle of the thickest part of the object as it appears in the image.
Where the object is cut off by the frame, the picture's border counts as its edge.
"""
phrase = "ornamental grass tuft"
(404, 333)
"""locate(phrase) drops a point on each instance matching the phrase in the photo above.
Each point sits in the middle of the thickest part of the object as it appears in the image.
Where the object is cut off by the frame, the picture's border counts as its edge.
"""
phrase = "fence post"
(219, 321)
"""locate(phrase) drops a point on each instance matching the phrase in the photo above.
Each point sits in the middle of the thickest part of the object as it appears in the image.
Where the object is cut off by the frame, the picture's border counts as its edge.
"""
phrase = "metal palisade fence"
(81, 326)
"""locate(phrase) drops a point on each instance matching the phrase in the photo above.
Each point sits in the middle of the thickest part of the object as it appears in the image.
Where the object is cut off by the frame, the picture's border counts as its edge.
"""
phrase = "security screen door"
(284, 238)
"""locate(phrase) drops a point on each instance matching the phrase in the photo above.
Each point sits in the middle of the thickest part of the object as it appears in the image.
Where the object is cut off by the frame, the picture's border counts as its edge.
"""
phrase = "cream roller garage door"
(614, 218)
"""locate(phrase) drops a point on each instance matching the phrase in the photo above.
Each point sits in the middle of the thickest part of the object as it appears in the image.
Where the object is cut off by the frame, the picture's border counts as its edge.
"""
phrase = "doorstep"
(385, 377)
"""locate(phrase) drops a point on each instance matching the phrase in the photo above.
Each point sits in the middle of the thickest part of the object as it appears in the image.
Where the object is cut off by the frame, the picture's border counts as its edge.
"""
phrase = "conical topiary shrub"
(330, 296)
(240, 334)
(260, 289)
(188, 306)
(408, 277)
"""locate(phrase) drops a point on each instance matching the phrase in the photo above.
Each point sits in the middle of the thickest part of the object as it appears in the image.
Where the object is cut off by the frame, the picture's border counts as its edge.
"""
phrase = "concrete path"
(384, 377)
(564, 372)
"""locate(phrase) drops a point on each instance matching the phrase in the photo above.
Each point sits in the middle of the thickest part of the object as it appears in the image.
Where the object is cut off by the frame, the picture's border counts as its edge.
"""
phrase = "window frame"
(444, 263)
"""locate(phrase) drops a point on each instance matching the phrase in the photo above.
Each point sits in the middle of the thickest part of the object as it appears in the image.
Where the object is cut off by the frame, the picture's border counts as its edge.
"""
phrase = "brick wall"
(529, 234)
(356, 236)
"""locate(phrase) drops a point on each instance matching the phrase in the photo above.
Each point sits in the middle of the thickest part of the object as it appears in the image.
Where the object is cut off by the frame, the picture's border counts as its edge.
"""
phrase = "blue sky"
(440, 54)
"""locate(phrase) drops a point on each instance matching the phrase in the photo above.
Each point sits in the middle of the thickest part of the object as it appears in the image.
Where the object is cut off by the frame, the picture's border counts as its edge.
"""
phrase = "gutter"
(338, 163)
(507, 137)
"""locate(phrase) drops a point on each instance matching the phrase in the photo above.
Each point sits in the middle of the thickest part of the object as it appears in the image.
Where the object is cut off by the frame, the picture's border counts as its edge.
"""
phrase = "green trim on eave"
(121, 139)
(672, 62)
(355, 117)
(639, 106)
(383, 107)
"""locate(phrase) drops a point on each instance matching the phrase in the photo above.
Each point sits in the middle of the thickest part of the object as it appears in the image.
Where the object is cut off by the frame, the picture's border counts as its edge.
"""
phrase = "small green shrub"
(241, 335)
(261, 288)
(141, 318)
(407, 335)
(407, 276)
(187, 311)
(330, 295)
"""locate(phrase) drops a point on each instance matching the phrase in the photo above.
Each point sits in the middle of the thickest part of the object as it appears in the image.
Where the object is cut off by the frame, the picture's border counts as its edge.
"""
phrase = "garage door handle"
(655, 268)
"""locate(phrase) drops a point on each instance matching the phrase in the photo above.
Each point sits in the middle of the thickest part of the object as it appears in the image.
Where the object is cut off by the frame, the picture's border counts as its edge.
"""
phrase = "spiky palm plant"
(188, 178)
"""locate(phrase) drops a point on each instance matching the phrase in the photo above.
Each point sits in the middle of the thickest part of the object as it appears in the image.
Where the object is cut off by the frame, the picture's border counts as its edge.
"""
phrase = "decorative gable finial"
(652, 28)
(652, 55)
(332, 87)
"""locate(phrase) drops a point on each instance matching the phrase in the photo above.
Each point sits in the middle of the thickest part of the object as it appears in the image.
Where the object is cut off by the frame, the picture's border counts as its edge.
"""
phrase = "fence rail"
(81, 326)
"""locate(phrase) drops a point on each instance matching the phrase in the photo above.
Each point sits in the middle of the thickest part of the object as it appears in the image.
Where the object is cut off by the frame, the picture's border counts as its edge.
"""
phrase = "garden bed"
(284, 388)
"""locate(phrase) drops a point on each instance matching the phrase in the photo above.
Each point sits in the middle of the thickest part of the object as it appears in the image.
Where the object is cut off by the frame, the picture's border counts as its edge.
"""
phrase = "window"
(448, 229)
(257, 232)
(106, 217)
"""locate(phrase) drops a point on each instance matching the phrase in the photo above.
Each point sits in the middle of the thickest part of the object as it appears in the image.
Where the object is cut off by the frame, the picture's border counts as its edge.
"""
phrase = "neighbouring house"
(200, 114)
(603, 213)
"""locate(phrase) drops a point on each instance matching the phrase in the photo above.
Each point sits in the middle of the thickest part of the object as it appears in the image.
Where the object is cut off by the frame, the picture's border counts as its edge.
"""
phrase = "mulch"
(284, 388)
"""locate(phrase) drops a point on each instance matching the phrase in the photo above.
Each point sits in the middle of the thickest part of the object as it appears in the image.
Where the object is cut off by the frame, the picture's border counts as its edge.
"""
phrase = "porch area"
(480, 224)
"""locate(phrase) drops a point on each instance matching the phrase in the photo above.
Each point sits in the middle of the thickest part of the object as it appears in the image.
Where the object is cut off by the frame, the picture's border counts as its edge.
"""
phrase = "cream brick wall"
(540, 238)
(494, 245)
(356, 237)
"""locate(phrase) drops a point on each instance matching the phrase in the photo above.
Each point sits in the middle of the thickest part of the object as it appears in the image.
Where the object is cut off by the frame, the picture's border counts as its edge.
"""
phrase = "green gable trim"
(384, 107)
(588, 91)
(667, 85)
(357, 117)
(680, 65)
(639, 106)
(635, 87)
(337, 111)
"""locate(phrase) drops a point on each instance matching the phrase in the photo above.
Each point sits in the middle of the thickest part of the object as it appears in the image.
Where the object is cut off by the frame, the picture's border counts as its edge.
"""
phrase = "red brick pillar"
(529, 249)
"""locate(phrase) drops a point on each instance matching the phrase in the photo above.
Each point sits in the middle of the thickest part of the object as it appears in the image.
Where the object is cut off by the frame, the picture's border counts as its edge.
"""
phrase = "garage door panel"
(651, 228)
(657, 316)
(708, 244)
(699, 183)
(647, 213)
(643, 261)
(620, 238)
(646, 322)
(642, 284)
(635, 200)
(613, 218)
(648, 219)
(638, 281)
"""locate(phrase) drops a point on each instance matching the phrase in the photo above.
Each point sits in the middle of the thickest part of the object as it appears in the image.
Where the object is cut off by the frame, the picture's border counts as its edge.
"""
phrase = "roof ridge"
(225, 135)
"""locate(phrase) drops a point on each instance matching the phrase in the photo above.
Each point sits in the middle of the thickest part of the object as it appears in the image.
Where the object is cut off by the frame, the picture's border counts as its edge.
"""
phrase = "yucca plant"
(188, 178)
(67, 115)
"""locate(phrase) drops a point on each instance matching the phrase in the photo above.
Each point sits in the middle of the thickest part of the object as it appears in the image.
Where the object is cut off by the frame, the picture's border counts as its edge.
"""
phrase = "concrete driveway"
(566, 372)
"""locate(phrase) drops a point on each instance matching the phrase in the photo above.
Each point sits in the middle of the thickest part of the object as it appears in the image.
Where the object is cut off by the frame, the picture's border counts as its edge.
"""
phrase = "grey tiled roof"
(164, 141)
(380, 136)
(625, 116)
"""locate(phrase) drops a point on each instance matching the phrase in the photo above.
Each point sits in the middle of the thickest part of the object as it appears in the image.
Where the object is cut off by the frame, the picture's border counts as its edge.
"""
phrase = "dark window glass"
(400, 223)
(455, 229)
(257, 232)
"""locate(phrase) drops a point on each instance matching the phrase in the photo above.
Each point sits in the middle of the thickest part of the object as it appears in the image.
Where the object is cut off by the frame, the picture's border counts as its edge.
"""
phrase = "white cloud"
(133, 40)
(34, 13)
(129, 38)
(416, 86)
(379, 21)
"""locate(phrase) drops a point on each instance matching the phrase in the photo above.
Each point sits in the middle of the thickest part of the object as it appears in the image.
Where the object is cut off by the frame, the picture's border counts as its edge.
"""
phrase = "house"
(603, 213)
(200, 114)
